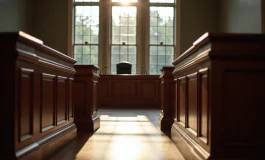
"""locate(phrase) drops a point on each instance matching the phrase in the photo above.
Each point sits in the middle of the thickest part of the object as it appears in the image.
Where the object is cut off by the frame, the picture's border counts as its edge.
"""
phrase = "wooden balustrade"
(36, 98)
(85, 98)
(166, 117)
(219, 94)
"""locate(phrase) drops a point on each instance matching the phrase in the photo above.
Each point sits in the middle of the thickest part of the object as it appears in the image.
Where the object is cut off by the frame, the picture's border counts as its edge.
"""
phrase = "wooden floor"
(123, 135)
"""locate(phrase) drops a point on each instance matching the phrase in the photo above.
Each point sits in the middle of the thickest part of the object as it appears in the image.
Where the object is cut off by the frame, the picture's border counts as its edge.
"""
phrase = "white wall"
(240, 16)
(15, 15)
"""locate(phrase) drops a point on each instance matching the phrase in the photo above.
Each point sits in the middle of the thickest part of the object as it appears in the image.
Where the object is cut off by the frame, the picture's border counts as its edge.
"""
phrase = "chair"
(124, 67)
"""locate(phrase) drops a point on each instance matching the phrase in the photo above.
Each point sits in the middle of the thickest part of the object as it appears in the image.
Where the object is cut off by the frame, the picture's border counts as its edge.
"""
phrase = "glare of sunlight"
(125, 2)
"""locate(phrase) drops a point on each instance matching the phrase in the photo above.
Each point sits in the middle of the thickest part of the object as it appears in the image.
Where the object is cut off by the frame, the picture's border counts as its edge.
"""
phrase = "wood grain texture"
(48, 102)
(226, 100)
(204, 108)
(193, 103)
(129, 91)
(32, 92)
(26, 103)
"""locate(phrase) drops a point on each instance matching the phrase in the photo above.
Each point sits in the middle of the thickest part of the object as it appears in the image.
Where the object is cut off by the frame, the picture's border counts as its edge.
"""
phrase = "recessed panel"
(61, 99)
(47, 102)
(124, 89)
(182, 101)
(70, 99)
(148, 89)
(26, 102)
(192, 104)
(176, 105)
(204, 106)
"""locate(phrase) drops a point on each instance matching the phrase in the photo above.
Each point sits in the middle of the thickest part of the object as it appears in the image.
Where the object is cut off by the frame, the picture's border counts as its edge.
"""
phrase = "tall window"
(161, 35)
(86, 32)
(123, 47)
(141, 32)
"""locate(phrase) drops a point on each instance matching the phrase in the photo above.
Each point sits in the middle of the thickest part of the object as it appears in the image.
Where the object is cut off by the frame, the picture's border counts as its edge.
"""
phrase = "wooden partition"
(166, 117)
(85, 98)
(219, 94)
(36, 98)
(129, 91)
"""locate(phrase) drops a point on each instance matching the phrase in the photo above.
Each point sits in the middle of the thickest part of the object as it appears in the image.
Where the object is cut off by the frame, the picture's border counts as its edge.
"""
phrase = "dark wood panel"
(148, 89)
(48, 102)
(124, 89)
(79, 92)
(204, 124)
(182, 101)
(30, 96)
(61, 109)
(176, 100)
(244, 112)
(85, 98)
(230, 100)
(129, 91)
(26, 103)
(192, 102)
(70, 99)
(104, 89)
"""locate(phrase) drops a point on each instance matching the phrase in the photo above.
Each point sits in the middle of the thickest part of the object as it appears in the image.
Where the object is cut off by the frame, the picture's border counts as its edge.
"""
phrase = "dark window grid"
(85, 54)
(83, 25)
(157, 64)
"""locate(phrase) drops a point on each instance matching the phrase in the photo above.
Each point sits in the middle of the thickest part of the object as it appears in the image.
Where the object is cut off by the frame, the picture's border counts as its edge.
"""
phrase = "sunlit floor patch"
(124, 135)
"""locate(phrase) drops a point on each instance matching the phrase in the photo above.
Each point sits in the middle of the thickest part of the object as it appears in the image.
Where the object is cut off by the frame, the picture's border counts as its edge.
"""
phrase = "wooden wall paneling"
(243, 113)
(176, 98)
(183, 100)
(230, 100)
(48, 100)
(30, 70)
(128, 91)
(192, 114)
(124, 89)
(61, 107)
(148, 89)
(70, 99)
(26, 102)
(204, 106)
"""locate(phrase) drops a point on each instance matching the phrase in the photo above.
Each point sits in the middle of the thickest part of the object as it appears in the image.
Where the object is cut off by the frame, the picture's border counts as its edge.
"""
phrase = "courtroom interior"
(132, 79)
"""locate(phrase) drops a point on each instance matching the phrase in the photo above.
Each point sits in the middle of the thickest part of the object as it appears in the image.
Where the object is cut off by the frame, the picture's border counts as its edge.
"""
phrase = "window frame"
(142, 33)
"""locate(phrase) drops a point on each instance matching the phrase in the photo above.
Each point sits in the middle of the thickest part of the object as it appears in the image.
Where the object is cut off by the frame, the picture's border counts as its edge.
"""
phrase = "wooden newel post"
(85, 98)
(166, 118)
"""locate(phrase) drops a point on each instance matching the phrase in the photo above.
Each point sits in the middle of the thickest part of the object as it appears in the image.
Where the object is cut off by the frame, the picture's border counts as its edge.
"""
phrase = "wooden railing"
(219, 94)
(36, 98)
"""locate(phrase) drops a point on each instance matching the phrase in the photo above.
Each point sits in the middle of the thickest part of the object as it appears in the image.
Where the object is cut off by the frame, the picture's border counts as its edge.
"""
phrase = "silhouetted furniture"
(129, 91)
(219, 97)
(36, 98)
(85, 98)
(166, 117)
(124, 68)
